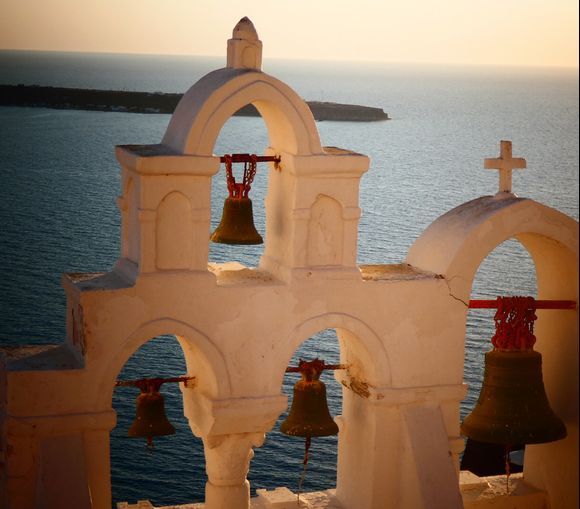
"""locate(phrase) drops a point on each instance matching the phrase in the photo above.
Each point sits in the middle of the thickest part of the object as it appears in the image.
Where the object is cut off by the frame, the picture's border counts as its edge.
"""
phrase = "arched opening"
(456, 244)
(508, 270)
(205, 107)
(360, 426)
(173, 471)
(240, 135)
(286, 453)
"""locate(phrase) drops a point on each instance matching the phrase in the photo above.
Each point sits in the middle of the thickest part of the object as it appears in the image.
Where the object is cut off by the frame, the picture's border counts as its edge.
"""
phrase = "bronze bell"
(309, 415)
(513, 407)
(150, 420)
(237, 223)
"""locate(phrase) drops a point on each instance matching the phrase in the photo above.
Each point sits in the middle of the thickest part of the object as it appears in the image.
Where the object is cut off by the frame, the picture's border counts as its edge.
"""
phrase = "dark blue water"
(58, 213)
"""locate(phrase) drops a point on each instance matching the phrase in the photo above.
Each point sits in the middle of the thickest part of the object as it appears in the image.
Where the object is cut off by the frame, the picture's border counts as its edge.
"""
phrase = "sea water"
(60, 180)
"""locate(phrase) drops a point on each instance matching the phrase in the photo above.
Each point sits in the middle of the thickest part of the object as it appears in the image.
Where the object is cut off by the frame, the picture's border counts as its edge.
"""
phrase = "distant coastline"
(156, 102)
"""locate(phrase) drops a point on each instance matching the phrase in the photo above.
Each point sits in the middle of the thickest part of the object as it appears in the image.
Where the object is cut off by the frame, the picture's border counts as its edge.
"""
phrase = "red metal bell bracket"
(539, 304)
(241, 189)
(314, 366)
(514, 319)
(153, 384)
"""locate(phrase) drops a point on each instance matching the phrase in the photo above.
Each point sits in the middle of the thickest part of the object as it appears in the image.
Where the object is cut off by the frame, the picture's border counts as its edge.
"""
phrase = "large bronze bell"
(150, 420)
(237, 223)
(513, 407)
(309, 415)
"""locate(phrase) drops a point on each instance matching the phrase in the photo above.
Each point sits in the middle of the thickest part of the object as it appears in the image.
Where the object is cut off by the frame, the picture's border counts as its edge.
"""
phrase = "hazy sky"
(505, 32)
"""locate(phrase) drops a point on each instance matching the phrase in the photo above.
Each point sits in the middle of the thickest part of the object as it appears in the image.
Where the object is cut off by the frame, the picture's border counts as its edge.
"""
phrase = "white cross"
(505, 164)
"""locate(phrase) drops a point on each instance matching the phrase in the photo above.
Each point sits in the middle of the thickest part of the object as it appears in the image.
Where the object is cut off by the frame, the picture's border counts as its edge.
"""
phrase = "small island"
(156, 102)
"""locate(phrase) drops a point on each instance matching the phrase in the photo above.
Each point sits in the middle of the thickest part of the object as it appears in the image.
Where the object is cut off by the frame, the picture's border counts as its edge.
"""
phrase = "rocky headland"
(156, 102)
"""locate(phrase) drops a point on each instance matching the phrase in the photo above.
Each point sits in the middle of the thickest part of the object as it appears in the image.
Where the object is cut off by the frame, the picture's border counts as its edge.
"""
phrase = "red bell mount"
(153, 384)
(538, 304)
(239, 190)
(314, 366)
(514, 319)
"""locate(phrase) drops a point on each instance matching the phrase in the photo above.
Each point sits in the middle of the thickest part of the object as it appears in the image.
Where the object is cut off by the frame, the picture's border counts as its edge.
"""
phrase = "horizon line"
(307, 59)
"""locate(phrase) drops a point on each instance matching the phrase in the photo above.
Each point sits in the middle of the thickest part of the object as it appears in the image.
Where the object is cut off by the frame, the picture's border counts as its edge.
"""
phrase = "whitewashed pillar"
(20, 471)
(97, 447)
(227, 461)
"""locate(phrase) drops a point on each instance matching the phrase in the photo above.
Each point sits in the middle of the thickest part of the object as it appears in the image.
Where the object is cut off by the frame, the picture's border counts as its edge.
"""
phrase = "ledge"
(91, 281)
(41, 357)
(280, 498)
(477, 493)
(491, 492)
(236, 274)
(394, 272)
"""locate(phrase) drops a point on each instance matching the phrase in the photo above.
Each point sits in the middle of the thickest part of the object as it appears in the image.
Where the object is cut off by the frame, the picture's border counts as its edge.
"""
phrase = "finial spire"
(245, 48)
(505, 163)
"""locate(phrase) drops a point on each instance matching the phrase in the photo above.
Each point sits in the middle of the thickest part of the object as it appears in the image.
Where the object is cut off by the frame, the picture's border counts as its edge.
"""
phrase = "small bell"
(150, 420)
(237, 222)
(309, 415)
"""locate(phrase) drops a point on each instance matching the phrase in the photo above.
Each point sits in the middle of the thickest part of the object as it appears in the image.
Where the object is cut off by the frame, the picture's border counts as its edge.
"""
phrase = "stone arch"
(361, 424)
(174, 232)
(212, 375)
(205, 107)
(360, 347)
(456, 244)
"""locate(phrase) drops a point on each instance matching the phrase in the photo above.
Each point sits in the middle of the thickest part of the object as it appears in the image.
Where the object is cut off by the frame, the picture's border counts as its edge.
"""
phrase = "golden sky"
(503, 32)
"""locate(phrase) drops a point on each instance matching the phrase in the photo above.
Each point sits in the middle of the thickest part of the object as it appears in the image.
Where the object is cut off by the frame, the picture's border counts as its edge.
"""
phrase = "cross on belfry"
(505, 163)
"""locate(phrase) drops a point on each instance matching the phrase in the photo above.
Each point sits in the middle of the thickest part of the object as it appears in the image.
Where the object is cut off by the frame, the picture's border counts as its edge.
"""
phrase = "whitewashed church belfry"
(312, 218)
(401, 328)
(312, 204)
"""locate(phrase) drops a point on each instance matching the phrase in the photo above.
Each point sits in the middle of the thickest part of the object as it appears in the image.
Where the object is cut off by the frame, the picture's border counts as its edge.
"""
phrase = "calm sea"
(58, 213)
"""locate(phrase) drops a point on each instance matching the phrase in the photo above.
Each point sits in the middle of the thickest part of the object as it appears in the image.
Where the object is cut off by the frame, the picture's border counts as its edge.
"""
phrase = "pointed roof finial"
(245, 48)
(245, 29)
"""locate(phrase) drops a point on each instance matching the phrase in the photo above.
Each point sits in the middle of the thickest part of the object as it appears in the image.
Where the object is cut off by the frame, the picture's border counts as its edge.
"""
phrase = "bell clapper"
(307, 443)
(507, 469)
